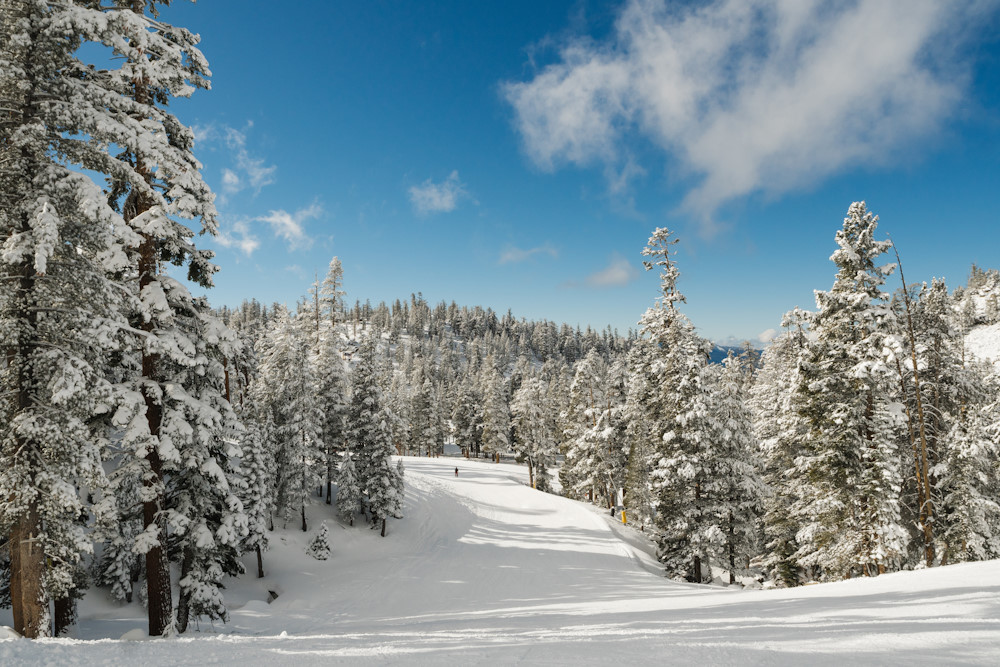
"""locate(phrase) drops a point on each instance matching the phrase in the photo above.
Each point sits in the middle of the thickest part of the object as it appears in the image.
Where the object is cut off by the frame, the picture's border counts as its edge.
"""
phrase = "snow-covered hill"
(984, 343)
(484, 570)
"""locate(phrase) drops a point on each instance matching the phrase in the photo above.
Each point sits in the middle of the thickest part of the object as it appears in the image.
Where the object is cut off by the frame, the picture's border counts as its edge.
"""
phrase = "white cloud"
(240, 238)
(231, 181)
(618, 273)
(749, 95)
(512, 254)
(767, 335)
(257, 173)
(290, 226)
(430, 197)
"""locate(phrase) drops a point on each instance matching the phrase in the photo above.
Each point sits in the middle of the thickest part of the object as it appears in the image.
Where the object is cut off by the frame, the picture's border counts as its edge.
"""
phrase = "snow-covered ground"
(984, 343)
(484, 570)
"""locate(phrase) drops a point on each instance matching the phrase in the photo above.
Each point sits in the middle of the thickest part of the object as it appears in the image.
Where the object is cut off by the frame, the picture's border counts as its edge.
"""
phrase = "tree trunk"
(260, 563)
(14, 545)
(184, 599)
(65, 615)
(383, 527)
(732, 550)
(34, 607)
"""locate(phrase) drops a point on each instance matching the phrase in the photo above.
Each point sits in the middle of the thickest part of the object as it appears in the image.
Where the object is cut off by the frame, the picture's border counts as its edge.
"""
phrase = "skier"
(456, 471)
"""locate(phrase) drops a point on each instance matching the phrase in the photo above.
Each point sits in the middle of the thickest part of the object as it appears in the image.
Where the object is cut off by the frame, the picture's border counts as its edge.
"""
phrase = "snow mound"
(7, 632)
(135, 635)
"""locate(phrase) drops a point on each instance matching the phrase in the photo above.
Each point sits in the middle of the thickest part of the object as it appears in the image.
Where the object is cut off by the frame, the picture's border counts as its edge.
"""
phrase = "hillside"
(484, 570)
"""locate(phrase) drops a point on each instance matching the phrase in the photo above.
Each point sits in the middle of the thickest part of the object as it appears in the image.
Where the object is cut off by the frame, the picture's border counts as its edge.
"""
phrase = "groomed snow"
(484, 570)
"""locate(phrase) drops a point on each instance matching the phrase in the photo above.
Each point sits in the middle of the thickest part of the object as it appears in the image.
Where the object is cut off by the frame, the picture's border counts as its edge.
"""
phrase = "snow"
(485, 570)
(984, 343)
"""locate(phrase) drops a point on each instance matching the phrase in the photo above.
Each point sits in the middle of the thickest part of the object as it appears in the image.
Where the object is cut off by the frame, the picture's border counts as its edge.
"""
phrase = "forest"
(148, 441)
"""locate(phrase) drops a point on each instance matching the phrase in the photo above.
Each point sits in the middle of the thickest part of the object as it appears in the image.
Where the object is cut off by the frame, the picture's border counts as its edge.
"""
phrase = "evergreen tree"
(319, 546)
(349, 493)
(286, 389)
(496, 413)
(534, 428)
(258, 471)
(849, 506)
(371, 440)
(678, 406)
(780, 430)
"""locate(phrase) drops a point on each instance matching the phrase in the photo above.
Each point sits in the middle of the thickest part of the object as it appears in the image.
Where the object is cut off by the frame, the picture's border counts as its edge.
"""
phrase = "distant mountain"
(720, 352)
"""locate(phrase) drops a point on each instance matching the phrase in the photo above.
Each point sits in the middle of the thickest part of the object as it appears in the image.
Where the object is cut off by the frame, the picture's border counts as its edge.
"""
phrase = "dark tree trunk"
(15, 576)
(65, 615)
(260, 563)
(32, 568)
(383, 527)
(184, 600)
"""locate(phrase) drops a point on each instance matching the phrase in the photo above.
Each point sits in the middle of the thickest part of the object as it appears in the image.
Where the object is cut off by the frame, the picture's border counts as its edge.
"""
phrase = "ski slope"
(485, 571)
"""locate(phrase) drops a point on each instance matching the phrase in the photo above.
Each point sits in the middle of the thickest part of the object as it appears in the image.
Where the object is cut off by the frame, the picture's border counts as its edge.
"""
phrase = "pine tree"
(370, 439)
(677, 410)
(496, 413)
(258, 471)
(737, 483)
(331, 396)
(286, 388)
(849, 507)
(466, 416)
(780, 431)
(331, 295)
(62, 310)
(319, 546)
(349, 493)
(534, 428)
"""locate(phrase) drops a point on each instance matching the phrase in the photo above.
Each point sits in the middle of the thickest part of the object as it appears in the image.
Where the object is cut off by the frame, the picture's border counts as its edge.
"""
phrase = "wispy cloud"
(255, 173)
(240, 237)
(749, 95)
(247, 170)
(618, 273)
(290, 226)
(513, 254)
(430, 197)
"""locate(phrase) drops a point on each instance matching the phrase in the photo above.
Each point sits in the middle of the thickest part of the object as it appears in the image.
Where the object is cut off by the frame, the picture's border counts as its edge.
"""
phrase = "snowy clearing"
(484, 570)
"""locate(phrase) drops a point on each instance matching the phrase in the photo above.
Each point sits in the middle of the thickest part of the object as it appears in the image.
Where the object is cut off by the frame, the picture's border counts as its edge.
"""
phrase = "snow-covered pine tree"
(780, 430)
(607, 442)
(585, 394)
(534, 431)
(466, 416)
(495, 435)
(423, 413)
(676, 410)
(736, 484)
(207, 516)
(349, 493)
(331, 294)
(258, 473)
(119, 567)
(156, 183)
(60, 312)
(286, 389)
(331, 396)
(639, 439)
(370, 439)
(969, 476)
(319, 546)
(849, 505)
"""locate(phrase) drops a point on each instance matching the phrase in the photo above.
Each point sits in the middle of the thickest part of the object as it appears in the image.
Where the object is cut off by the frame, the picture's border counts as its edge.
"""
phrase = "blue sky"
(518, 154)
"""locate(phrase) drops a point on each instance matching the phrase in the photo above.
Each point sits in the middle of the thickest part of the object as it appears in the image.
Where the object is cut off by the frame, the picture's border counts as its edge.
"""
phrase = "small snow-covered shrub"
(319, 548)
